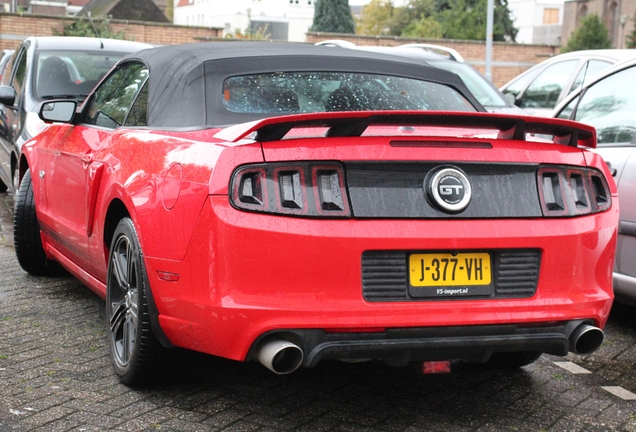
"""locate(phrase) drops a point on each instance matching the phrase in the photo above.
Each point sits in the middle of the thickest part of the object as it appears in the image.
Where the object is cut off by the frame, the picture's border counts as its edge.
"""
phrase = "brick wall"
(16, 27)
(508, 59)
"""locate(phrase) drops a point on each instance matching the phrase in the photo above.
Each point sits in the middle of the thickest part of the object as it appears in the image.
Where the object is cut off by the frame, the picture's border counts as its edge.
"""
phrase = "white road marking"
(572, 367)
(620, 392)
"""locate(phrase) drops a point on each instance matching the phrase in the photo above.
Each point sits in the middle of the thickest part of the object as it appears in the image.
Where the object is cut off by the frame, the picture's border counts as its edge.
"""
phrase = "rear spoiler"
(354, 123)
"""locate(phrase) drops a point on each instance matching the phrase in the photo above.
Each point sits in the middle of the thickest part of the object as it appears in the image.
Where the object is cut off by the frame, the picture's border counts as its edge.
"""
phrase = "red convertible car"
(293, 203)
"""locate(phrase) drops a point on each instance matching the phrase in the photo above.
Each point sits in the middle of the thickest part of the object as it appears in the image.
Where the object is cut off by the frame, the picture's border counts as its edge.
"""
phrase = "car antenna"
(90, 19)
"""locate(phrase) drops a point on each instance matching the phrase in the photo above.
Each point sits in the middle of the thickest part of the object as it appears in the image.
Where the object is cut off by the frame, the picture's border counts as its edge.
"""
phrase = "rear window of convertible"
(306, 92)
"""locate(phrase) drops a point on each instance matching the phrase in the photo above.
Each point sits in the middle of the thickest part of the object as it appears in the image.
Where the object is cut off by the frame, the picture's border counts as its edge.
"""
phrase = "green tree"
(426, 27)
(590, 34)
(333, 16)
(453, 19)
(88, 27)
(169, 12)
(466, 19)
(382, 17)
(416, 19)
(375, 18)
(631, 38)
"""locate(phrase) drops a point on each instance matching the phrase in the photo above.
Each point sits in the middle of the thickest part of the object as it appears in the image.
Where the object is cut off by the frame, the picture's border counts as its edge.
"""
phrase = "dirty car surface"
(291, 203)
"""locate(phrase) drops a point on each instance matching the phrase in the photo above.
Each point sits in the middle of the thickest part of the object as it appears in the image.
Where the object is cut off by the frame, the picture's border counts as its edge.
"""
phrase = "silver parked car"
(448, 59)
(539, 89)
(609, 103)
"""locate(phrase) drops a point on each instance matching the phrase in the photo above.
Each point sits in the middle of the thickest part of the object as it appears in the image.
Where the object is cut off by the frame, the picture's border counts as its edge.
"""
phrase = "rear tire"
(3, 187)
(26, 232)
(134, 347)
(513, 360)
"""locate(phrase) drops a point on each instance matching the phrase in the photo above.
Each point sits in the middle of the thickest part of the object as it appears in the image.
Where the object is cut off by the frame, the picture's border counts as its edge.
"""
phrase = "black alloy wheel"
(133, 345)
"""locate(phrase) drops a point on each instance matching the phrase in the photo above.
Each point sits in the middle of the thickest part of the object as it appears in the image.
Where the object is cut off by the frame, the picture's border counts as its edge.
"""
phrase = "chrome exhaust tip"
(280, 356)
(585, 339)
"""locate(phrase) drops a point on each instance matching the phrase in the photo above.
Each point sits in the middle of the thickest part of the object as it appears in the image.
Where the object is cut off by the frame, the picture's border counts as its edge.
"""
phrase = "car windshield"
(477, 84)
(70, 74)
(305, 92)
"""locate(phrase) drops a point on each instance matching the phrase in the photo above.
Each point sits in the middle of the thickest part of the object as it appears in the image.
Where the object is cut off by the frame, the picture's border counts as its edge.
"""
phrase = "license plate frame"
(450, 274)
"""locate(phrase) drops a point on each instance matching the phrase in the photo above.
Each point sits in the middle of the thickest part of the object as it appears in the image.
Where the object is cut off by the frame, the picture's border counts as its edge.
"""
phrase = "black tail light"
(250, 190)
(569, 191)
(314, 189)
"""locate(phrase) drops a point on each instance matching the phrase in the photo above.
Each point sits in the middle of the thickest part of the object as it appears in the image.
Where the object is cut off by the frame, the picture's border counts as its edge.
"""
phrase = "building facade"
(538, 21)
(285, 20)
(617, 15)
(62, 7)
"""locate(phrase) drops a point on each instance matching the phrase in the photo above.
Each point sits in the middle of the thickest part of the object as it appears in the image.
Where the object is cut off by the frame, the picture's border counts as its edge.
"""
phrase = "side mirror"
(7, 95)
(58, 111)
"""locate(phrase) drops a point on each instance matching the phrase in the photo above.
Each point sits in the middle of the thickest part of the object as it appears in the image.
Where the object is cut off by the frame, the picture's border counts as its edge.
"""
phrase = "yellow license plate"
(445, 269)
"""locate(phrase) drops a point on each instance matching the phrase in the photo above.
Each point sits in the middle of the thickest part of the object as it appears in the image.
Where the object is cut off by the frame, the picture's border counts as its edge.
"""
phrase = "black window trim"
(89, 100)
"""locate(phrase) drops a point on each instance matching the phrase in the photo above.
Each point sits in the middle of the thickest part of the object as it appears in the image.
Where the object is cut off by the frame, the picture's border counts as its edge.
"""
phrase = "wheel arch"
(117, 210)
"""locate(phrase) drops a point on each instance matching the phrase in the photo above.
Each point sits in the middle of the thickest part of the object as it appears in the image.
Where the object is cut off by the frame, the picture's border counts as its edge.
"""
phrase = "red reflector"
(435, 367)
(356, 330)
(167, 276)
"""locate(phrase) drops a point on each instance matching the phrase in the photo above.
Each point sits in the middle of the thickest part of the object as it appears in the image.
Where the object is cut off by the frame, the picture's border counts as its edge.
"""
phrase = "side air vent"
(384, 275)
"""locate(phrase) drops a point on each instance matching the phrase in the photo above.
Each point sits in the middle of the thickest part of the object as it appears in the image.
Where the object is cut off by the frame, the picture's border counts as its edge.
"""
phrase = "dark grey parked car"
(44, 68)
(609, 104)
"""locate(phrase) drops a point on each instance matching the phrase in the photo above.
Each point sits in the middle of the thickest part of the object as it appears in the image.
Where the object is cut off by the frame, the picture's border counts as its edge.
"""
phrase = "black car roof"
(178, 75)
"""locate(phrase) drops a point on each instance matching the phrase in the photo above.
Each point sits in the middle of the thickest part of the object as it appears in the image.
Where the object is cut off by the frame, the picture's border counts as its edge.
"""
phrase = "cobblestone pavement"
(55, 375)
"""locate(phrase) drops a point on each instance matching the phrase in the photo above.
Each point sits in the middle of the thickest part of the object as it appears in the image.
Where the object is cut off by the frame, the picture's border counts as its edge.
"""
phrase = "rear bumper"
(403, 345)
(246, 275)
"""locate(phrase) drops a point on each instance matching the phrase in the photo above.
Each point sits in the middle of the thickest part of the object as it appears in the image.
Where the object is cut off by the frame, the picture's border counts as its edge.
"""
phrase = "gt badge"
(448, 189)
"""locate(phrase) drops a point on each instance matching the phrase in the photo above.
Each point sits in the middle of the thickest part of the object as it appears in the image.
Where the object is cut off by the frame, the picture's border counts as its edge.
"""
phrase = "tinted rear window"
(306, 92)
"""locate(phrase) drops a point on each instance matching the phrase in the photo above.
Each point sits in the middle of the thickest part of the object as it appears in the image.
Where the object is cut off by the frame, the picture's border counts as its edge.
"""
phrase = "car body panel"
(241, 314)
(334, 257)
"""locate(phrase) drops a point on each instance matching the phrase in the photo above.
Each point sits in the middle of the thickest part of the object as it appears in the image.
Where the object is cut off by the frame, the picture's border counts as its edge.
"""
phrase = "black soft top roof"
(181, 75)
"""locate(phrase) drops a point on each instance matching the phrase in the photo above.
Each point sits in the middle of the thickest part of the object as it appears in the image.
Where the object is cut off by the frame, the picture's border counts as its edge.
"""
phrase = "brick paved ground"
(55, 375)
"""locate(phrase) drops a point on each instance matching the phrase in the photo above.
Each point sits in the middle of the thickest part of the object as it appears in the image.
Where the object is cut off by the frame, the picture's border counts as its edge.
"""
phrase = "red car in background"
(292, 203)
